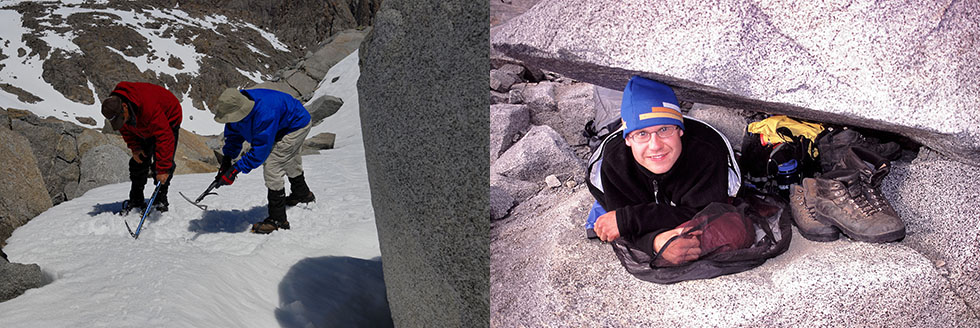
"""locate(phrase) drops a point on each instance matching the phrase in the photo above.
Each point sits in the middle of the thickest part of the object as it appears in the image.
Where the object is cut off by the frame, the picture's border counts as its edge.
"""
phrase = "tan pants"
(285, 159)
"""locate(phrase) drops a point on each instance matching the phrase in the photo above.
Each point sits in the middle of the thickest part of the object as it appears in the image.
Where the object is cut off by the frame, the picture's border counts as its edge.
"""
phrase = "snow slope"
(193, 268)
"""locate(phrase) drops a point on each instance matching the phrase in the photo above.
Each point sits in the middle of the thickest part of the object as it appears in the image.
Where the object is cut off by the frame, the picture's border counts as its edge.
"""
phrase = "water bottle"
(787, 174)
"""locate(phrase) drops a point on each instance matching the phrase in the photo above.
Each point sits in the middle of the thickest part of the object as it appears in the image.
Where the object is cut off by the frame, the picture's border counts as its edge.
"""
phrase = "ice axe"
(145, 212)
(207, 192)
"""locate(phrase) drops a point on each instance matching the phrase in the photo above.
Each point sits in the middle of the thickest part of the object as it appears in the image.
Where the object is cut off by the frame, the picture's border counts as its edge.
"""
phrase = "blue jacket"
(274, 115)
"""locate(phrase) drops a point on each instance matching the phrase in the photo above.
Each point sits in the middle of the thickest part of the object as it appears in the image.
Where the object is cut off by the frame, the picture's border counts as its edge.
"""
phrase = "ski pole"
(145, 212)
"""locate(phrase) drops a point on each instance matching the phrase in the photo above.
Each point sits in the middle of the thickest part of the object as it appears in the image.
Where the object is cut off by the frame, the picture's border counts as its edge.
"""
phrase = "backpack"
(607, 119)
(772, 168)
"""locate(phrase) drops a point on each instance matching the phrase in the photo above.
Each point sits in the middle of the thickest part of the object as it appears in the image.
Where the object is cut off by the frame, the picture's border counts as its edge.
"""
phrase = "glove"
(228, 177)
(225, 165)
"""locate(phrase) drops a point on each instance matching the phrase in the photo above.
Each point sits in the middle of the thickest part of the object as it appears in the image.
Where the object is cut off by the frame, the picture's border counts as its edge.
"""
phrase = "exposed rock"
(552, 181)
(803, 61)
(499, 98)
(332, 51)
(500, 203)
(303, 83)
(102, 165)
(22, 95)
(935, 196)
(540, 153)
(507, 122)
(55, 151)
(67, 77)
(546, 273)
(323, 107)
(18, 278)
(193, 155)
(501, 81)
(86, 120)
(321, 141)
(539, 97)
(518, 189)
(432, 226)
(278, 86)
(730, 122)
(22, 194)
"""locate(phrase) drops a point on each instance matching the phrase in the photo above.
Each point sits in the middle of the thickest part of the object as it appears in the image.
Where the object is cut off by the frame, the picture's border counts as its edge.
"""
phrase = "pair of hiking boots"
(138, 205)
(847, 199)
(299, 193)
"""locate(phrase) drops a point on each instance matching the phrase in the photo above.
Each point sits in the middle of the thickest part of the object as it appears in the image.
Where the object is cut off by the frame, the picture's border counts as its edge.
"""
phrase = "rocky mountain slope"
(66, 56)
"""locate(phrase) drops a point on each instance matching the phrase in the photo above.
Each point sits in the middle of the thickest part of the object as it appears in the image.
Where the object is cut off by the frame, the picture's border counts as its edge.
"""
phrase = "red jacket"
(158, 114)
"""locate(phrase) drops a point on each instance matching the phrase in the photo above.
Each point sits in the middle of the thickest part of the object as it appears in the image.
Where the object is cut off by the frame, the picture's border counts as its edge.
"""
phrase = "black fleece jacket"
(647, 204)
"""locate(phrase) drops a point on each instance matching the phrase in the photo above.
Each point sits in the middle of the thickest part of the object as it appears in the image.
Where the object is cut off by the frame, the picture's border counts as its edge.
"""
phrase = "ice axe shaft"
(136, 235)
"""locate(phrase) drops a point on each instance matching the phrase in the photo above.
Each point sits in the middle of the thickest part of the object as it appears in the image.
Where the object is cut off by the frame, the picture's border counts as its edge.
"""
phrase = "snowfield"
(194, 268)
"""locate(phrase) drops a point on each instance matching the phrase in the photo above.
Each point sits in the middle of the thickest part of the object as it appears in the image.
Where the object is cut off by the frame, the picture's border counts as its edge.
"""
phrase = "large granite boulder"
(102, 165)
(22, 192)
(908, 67)
(540, 153)
(427, 158)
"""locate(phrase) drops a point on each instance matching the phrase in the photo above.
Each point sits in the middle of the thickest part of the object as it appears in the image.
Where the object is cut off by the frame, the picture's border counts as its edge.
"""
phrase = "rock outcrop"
(426, 158)
(899, 67)
(22, 192)
(18, 278)
(544, 272)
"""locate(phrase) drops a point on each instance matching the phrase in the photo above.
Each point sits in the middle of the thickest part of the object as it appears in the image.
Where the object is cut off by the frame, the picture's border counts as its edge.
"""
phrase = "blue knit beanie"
(647, 103)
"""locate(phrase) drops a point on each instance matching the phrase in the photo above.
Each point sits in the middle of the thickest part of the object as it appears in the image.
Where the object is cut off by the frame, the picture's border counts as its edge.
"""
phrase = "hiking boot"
(801, 202)
(161, 204)
(872, 169)
(299, 192)
(137, 205)
(841, 202)
(269, 225)
(277, 214)
(833, 147)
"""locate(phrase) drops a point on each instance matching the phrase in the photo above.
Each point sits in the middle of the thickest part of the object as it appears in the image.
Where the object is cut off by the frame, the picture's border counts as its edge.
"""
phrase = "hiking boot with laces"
(801, 201)
(841, 202)
(833, 147)
(872, 169)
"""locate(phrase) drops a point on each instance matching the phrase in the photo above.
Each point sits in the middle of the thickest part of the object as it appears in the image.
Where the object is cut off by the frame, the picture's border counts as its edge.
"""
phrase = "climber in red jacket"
(148, 117)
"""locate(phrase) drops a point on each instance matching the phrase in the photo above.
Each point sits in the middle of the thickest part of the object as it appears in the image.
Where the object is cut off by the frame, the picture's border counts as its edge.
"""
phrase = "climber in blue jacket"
(275, 125)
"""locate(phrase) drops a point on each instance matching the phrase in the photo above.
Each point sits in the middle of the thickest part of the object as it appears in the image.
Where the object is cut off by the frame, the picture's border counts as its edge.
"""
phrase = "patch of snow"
(346, 123)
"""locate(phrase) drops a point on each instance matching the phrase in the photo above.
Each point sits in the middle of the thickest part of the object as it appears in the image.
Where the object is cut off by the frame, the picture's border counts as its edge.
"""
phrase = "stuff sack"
(762, 230)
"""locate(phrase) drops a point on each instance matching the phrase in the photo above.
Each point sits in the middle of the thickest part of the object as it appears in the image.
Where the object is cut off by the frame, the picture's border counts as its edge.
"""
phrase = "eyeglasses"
(662, 133)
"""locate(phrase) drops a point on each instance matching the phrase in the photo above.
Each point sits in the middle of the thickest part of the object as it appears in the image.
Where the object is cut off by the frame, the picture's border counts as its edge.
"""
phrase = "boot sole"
(821, 237)
(880, 238)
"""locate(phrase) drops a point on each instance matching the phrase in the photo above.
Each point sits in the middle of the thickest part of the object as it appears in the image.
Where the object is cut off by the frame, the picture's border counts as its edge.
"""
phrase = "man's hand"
(606, 227)
(162, 177)
(138, 156)
(225, 165)
(227, 177)
(682, 249)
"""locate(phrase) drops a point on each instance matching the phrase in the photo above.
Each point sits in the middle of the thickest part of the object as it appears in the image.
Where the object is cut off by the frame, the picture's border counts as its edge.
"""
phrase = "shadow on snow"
(106, 208)
(227, 220)
(334, 291)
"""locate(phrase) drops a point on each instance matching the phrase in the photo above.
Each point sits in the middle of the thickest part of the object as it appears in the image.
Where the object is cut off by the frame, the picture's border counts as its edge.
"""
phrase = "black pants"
(138, 172)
